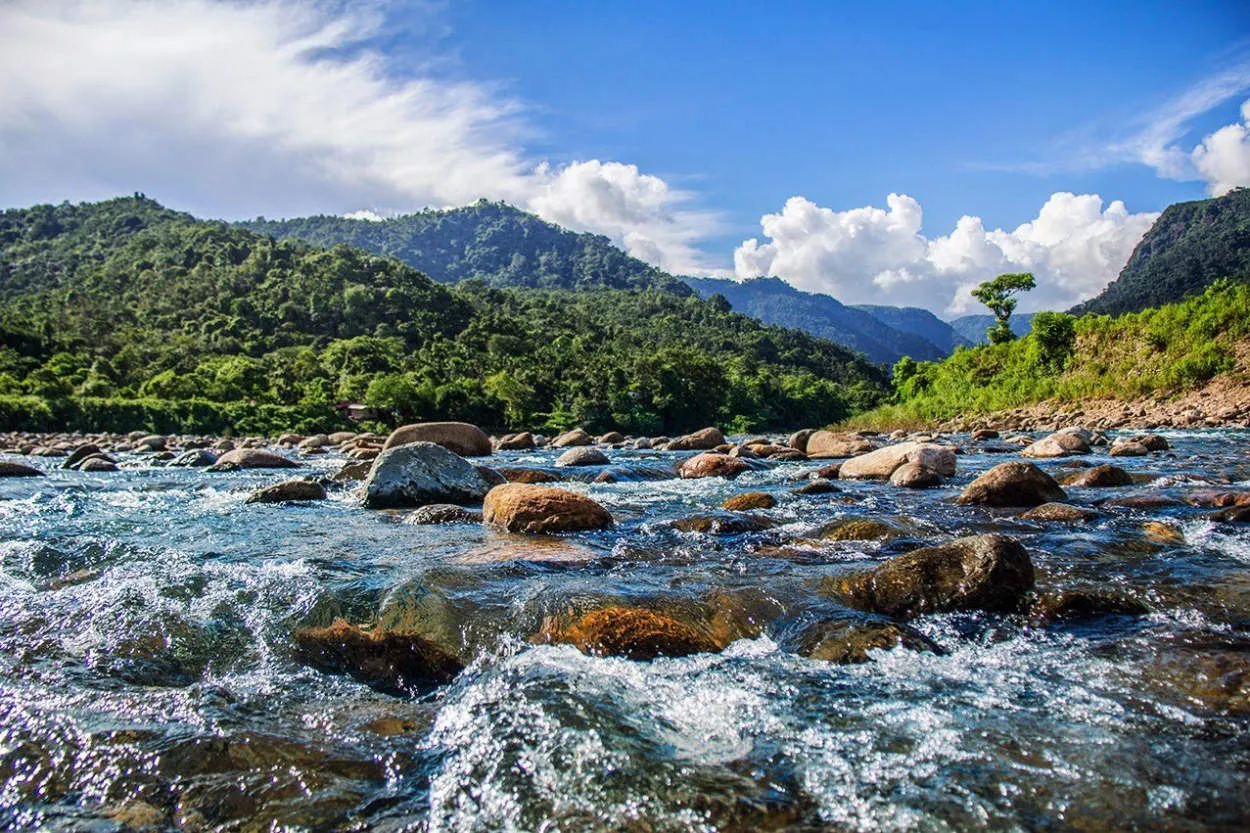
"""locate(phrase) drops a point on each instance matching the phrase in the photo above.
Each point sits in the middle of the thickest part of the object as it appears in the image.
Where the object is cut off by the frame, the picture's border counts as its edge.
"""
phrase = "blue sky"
(887, 153)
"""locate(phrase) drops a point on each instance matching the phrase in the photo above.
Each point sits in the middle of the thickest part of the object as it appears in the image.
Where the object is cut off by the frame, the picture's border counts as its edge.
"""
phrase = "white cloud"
(280, 108)
(1223, 158)
(1074, 247)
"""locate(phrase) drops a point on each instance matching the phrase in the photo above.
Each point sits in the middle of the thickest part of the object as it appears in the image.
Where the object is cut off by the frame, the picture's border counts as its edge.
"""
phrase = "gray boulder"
(421, 473)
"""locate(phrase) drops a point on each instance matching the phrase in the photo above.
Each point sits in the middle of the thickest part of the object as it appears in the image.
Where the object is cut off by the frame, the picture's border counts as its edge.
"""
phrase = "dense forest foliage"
(1188, 247)
(1067, 358)
(488, 241)
(190, 325)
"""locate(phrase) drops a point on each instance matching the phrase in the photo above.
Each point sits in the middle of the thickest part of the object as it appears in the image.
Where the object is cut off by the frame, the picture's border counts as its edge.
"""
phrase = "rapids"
(148, 678)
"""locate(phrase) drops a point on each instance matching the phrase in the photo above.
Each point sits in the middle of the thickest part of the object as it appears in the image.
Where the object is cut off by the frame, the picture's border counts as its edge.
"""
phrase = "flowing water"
(148, 674)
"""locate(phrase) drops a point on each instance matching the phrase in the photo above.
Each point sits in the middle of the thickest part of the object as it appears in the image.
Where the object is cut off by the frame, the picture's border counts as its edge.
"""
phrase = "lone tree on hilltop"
(996, 295)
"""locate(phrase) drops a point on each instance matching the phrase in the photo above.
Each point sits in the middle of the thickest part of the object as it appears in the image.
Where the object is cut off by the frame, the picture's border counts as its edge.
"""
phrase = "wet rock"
(703, 440)
(491, 477)
(97, 463)
(195, 458)
(858, 529)
(798, 440)
(11, 469)
(819, 486)
(81, 453)
(357, 470)
(1231, 515)
(720, 523)
(829, 472)
(442, 513)
(747, 501)
(1142, 502)
(984, 572)
(291, 490)
(612, 438)
(915, 476)
(524, 441)
(315, 442)
(1162, 533)
(1100, 477)
(571, 438)
(1129, 450)
(459, 437)
(340, 437)
(394, 663)
(634, 633)
(519, 475)
(882, 463)
(152, 442)
(983, 434)
(1222, 499)
(745, 451)
(542, 509)
(582, 456)
(1151, 442)
(251, 458)
(1070, 605)
(1060, 444)
(415, 474)
(1013, 484)
(1059, 512)
(848, 642)
(1208, 672)
(826, 445)
(712, 465)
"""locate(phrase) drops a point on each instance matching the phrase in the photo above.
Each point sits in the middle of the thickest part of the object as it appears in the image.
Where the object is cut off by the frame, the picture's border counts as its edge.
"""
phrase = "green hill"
(488, 241)
(102, 328)
(1191, 245)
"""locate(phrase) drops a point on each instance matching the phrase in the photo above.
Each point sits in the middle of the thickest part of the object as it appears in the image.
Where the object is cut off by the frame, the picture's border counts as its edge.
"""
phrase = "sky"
(891, 153)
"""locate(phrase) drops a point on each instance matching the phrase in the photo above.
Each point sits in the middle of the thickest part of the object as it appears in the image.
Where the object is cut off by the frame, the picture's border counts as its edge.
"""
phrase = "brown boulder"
(1059, 512)
(523, 441)
(442, 513)
(748, 501)
(631, 632)
(1129, 449)
(570, 438)
(798, 440)
(818, 486)
(983, 572)
(702, 440)
(1013, 484)
(881, 463)
(1100, 477)
(826, 445)
(712, 465)
(461, 437)
(542, 509)
(1069, 605)
(251, 458)
(847, 642)
(915, 476)
(289, 491)
(582, 456)
(394, 663)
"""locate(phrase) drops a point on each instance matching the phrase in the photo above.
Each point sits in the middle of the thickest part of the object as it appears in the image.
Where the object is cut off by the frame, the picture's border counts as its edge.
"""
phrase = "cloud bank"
(280, 107)
(872, 255)
(1223, 158)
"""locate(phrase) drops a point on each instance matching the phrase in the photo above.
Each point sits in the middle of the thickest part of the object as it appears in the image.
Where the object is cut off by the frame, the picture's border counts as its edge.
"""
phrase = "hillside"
(180, 310)
(488, 241)
(1158, 352)
(1191, 245)
(774, 301)
(918, 322)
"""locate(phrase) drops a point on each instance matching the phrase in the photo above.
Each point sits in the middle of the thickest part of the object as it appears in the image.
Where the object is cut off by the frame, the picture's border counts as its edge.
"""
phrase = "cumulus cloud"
(1223, 158)
(879, 256)
(280, 107)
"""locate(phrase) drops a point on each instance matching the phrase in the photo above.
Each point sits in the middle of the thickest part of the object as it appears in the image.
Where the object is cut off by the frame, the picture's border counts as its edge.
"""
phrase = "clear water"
(147, 671)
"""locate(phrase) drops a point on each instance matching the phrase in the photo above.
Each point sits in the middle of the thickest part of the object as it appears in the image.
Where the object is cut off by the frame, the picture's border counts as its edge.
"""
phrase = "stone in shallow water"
(11, 469)
(442, 513)
(251, 458)
(1013, 484)
(1162, 533)
(721, 523)
(635, 633)
(983, 572)
(291, 490)
(582, 456)
(915, 476)
(749, 500)
(819, 486)
(542, 509)
(1059, 512)
(859, 529)
(1100, 477)
(394, 663)
(1074, 605)
(848, 642)
(415, 474)
(713, 465)
(458, 437)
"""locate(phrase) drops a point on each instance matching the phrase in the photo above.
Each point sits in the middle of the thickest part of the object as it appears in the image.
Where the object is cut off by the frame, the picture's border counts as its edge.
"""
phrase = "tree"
(1054, 335)
(996, 295)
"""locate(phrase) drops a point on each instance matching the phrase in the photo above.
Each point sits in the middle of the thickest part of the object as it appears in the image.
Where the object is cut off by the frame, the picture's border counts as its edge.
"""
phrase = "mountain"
(972, 328)
(123, 313)
(488, 241)
(918, 322)
(1189, 247)
(774, 301)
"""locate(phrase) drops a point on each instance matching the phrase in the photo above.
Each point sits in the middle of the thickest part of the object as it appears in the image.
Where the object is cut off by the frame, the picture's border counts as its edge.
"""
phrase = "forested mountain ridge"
(181, 310)
(488, 241)
(1189, 247)
(918, 322)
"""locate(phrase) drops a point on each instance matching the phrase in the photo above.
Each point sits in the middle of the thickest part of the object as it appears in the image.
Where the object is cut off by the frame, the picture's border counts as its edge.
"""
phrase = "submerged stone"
(1100, 477)
(1059, 512)
(748, 501)
(394, 663)
(635, 633)
(855, 529)
(848, 642)
(442, 513)
(721, 523)
(1071, 605)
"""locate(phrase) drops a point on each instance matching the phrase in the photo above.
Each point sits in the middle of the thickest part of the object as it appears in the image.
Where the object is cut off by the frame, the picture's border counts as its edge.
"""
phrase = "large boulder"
(79, 454)
(582, 456)
(418, 473)
(632, 632)
(1013, 484)
(798, 440)
(252, 458)
(709, 464)
(826, 445)
(702, 440)
(1101, 477)
(1064, 512)
(577, 436)
(195, 458)
(523, 441)
(291, 490)
(394, 663)
(461, 437)
(915, 476)
(750, 500)
(519, 507)
(983, 572)
(880, 464)
(1060, 444)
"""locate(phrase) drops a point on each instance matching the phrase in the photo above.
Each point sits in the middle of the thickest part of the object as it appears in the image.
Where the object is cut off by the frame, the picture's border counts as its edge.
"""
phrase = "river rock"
(747, 501)
(702, 440)
(1068, 605)
(251, 458)
(720, 523)
(460, 437)
(819, 486)
(1059, 512)
(983, 434)
(415, 474)
(1143, 502)
(539, 510)
(355, 470)
(983, 572)
(826, 445)
(291, 490)
(195, 458)
(570, 438)
(710, 464)
(442, 513)
(858, 529)
(582, 456)
(97, 463)
(1129, 449)
(1100, 477)
(340, 437)
(915, 476)
(634, 633)
(1060, 444)
(612, 438)
(1013, 484)
(1152, 442)
(846, 642)
(881, 463)
(79, 454)
(524, 441)
(521, 475)
(798, 440)
(152, 442)
(11, 469)
(393, 663)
